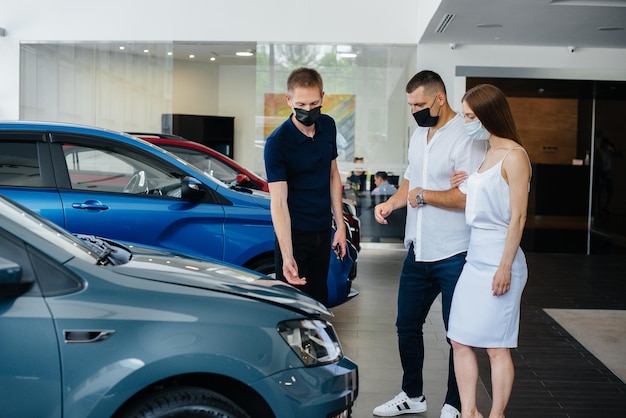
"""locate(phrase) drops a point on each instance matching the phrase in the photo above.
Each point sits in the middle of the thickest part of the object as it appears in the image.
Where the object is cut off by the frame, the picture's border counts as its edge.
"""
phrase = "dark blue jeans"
(311, 250)
(420, 284)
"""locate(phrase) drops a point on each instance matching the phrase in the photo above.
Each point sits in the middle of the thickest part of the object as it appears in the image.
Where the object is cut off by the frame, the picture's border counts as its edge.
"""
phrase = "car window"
(52, 279)
(19, 164)
(118, 171)
(14, 249)
(205, 162)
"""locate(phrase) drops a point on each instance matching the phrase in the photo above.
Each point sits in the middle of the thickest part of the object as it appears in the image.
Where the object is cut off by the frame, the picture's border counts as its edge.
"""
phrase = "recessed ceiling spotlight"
(488, 25)
(191, 56)
(170, 53)
(212, 58)
(122, 48)
(592, 3)
(146, 50)
(345, 51)
(247, 53)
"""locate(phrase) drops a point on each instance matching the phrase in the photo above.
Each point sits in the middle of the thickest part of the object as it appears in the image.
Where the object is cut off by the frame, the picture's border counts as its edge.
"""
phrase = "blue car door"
(124, 194)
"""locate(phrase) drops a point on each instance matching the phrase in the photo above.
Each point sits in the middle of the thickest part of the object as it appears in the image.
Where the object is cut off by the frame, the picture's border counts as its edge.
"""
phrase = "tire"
(185, 402)
(264, 265)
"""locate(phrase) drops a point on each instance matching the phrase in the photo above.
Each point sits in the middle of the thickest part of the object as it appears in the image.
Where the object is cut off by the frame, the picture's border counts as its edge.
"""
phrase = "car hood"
(162, 266)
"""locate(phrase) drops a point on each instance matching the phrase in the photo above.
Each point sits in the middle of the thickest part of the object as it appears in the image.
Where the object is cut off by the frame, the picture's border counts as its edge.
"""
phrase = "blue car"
(98, 182)
(93, 328)
(103, 183)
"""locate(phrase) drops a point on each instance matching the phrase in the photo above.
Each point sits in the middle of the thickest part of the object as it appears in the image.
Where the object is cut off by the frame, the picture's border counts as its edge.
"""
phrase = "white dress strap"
(527, 158)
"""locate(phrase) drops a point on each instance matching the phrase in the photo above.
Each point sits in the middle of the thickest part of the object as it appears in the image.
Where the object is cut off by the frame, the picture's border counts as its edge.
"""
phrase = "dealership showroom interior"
(136, 238)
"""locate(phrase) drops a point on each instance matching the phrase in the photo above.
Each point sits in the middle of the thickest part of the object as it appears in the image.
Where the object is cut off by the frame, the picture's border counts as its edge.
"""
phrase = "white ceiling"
(566, 23)
(530, 22)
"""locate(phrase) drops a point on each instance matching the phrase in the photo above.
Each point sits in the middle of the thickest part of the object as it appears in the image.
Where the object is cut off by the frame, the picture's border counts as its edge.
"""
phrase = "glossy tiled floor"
(556, 375)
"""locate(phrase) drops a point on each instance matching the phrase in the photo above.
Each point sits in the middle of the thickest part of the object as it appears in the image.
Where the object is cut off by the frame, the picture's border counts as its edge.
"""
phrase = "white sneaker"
(448, 411)
(401, 404)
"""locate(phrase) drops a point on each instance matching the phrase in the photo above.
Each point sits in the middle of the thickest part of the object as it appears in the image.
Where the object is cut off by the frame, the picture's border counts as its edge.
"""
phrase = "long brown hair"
(490, 106)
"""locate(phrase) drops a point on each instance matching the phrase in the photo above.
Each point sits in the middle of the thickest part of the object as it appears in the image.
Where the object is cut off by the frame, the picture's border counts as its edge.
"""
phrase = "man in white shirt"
(436, 234)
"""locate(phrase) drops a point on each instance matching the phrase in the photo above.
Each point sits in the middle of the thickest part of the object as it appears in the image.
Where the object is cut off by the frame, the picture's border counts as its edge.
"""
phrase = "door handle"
(87, 336)
(90, 204)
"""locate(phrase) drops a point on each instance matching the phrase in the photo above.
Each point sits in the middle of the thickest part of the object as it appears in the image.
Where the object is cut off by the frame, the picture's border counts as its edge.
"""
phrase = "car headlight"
(313, 340)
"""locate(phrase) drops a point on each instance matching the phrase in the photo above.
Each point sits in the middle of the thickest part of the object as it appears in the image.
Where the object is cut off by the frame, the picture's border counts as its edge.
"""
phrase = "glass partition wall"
(128, 86)
(607, 214)
(364, 92)
(573, 129)
(120, 85)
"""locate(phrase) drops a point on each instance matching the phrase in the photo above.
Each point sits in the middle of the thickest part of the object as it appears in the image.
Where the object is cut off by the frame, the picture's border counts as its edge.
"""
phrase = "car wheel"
(264, 265)
(185, 402)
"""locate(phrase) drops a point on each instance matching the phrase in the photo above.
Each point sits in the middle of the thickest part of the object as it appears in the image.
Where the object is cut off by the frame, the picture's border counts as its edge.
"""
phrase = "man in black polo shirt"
(305, 187)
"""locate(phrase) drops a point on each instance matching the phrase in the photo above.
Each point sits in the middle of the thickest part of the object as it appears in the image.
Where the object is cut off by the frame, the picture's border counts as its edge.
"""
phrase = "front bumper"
(313, 392)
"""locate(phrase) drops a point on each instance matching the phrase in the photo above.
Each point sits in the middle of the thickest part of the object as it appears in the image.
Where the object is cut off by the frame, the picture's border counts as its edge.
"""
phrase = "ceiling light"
(170, 53)
(122, 48)
(593, 3)
(345, 51)
(247, 53)
(146, 50)
(191, 56)
(212, 59)
(488, 25)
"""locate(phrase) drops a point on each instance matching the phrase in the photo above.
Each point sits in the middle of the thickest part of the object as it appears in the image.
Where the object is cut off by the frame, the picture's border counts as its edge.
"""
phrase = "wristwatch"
(419, 199)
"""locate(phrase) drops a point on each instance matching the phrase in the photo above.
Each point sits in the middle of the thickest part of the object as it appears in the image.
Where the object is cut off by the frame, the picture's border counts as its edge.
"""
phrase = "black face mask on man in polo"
(308, 117)
(423, 117)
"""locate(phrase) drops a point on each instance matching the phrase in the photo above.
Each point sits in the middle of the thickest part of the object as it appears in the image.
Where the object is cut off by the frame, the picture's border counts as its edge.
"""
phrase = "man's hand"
(412, 197)
(381, 211)
(290, 271)
(339, 243)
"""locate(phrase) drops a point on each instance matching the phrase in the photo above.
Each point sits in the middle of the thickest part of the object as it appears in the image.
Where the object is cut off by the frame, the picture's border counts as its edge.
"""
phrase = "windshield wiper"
(106, 251)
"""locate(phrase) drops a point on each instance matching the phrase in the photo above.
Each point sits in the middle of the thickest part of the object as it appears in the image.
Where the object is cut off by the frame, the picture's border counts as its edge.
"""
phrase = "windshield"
(205, 162)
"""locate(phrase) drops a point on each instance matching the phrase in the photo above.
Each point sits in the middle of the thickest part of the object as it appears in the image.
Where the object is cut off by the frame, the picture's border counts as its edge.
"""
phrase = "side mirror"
(11, 285)
(192, 189)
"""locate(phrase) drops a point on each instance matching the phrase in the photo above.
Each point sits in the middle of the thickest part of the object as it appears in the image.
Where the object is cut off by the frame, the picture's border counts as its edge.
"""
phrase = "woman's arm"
(516, 172)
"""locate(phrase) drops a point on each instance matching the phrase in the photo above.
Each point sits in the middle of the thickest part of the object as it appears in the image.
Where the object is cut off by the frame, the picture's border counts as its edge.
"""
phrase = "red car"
(207, 159)
(231, 172)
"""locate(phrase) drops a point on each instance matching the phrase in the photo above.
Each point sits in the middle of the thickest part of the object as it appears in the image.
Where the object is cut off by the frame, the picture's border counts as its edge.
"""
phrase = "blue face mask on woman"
(476, 131)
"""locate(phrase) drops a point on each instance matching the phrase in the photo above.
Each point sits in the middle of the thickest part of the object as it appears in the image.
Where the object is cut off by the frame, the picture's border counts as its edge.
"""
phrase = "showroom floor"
(569, 357)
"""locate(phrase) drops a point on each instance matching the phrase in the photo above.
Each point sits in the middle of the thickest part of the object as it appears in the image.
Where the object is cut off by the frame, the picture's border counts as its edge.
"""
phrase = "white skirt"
(477, 318)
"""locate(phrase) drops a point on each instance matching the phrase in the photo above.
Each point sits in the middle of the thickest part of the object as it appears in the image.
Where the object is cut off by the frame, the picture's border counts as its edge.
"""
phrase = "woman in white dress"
(486, 303)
